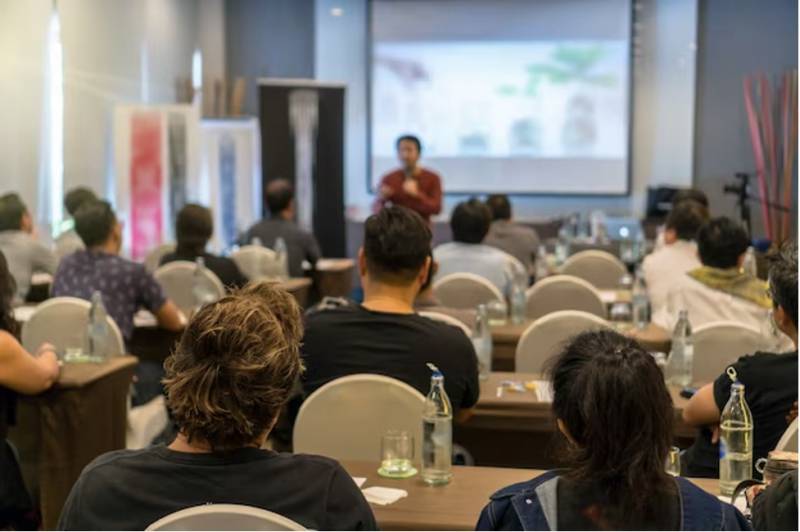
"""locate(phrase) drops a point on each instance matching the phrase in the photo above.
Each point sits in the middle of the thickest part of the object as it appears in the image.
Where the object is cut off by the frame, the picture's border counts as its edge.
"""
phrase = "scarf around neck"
(735, 283)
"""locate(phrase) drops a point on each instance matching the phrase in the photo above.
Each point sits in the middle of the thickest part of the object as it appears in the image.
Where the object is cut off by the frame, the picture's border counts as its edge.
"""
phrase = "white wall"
(114, 51)
(663, 105)
(23, 29)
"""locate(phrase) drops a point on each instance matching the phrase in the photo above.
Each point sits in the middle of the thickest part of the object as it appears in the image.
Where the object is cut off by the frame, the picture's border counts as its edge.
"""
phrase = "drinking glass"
(497, 311)
(673, 465)
(621, 312)
(397, 453)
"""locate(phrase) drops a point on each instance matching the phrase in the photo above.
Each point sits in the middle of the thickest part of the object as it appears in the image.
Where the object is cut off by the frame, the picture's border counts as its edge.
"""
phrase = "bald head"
(280, 198)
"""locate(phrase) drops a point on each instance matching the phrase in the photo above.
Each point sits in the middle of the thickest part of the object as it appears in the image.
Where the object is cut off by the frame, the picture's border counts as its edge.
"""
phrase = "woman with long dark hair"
(615, 413)
(22, 373)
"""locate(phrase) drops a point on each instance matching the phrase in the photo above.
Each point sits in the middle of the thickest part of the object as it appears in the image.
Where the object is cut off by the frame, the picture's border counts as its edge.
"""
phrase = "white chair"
(546, 337)
(346, 418)
(602, 269)
(788, 441)
(257, 262)
(177, 280)
(563, 292)
(62, 321)
(719, 344)
(145, 422)
(465, 290)
(450, 320)
(224, 517)
(153, 259)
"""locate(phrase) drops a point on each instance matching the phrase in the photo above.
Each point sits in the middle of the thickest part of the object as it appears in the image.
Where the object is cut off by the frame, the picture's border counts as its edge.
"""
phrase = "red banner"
(146, 183)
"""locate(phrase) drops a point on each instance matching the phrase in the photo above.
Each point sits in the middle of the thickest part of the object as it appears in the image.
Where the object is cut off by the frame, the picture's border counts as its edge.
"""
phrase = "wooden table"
(63, 429)
(506, 337)
(455, 506)
(521, 421)
(299, 287)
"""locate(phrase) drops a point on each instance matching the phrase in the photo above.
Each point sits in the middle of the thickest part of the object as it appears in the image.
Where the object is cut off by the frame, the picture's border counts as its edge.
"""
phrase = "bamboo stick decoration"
(772, 121)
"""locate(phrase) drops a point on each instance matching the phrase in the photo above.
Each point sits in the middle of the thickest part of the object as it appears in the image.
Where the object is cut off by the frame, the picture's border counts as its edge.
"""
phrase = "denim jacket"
(533, 505)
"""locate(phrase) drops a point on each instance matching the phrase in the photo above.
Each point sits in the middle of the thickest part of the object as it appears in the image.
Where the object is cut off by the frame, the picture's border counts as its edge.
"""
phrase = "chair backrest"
(788, 441)
(153, 259)
(346, 418)
(602, 269)
(257, 262)
(444, 318)
(545, 337)
(63, 321)
(563, 292)
(224, 517)
(465, 290)
(719, 344)
(177, 280)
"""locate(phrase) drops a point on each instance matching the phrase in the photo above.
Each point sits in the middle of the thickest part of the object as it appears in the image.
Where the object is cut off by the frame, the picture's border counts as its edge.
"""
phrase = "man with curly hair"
(226, 383)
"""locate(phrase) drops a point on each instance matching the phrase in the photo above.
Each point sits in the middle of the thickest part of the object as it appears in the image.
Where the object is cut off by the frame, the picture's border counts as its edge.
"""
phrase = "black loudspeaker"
(302, 140)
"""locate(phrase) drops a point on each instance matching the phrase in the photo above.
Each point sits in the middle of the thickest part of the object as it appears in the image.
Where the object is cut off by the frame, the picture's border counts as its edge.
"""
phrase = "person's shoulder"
(526, 488)
(311, 462)
(761, 361)
(111, 464)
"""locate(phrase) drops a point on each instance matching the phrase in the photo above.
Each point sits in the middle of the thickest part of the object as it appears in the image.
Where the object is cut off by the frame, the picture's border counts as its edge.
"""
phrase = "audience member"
(20, 373)
(470, 223)
(411, 186)
(384, 335)
(690, 194)
(300, 244)
(226, 382)
(615, 413)
(25, 255)
(518, 240)
(770, 381)
(679, 254)
(194, 227)
(426, 301)
(684, 194)
(68, 241)
(125, 285)
(718, 290)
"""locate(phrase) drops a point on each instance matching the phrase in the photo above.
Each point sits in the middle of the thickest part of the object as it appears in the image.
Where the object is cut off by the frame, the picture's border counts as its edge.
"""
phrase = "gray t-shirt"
(300, 245)
(519, 241)
(25, 256)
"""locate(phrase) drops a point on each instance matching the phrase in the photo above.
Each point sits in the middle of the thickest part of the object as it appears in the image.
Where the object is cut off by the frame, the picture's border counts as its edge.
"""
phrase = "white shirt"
(706, 305)
(664, 266)
(496, 266)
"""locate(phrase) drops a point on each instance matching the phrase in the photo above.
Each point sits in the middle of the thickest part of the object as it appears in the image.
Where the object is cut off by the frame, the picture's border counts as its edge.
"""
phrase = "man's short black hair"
(409, 138)
(193, 228)
(94, 222)
(470, 221)
(396, 243)
(783, 278)
(279, 195)
(77, 197)
(686, 218)
(500, 206)
(12, 209)
(720, 243)
(693, 194)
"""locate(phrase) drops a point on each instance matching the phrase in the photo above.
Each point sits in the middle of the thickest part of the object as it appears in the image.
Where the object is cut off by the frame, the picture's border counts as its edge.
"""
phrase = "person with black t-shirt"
(194, 227)
(226, 382)
(384, 335)
(770, 381)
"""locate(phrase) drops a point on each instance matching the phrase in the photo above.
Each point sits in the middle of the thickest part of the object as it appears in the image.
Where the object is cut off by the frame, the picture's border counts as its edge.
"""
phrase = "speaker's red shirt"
(427, 203)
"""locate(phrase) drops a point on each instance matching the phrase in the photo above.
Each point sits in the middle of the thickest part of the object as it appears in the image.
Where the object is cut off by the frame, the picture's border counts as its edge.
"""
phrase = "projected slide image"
(502, 99)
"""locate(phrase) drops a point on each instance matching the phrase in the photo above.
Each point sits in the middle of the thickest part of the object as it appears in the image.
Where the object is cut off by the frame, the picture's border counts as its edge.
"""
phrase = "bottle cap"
(436, 372)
